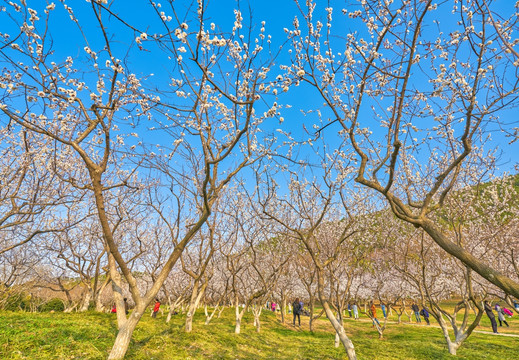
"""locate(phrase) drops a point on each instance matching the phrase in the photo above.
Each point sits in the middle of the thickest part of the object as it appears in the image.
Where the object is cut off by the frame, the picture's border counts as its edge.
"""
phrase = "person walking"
(355, 309)
(383, 308)
(156, 308)
(490, 314)
(349, 309)
(416, 310)
(425, 313)
(296, 309)
(373, 310)
(501, 315)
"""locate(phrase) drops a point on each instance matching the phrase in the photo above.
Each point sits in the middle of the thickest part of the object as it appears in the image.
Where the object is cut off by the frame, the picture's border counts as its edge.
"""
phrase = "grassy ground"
(90, 336)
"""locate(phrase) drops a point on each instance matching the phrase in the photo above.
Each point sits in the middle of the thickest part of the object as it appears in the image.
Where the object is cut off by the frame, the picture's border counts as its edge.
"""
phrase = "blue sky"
(277, 15)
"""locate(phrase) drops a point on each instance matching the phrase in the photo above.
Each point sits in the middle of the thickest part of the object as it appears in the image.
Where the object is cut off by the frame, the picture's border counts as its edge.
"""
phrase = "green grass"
(90, 336)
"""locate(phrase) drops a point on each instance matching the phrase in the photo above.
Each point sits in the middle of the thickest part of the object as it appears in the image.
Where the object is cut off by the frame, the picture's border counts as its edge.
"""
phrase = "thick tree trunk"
(239, 315)
(195, 300)
(453, 347)
(237, 328)
(85, 301)
(97, 296)
(257, 323)
(122, 341)
(495, 277)
(189, 318)
(117, 291)
(339, 330)
(337, 337)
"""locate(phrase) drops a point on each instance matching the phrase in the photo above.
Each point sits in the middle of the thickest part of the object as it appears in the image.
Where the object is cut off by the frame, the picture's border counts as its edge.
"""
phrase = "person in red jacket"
(156, 308)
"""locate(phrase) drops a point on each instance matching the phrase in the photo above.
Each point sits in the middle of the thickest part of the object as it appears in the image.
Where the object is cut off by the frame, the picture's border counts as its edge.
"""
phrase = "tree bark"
(117, 291)
(196, 295)
(85, 303)
(124, 335)
(495, 277)
(339, 329)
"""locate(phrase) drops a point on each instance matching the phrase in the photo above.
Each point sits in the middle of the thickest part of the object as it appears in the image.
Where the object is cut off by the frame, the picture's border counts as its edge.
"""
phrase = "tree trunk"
(239, 315)
(337, 337)
(124, 335)
(189, 318)
(257, 323)
(173, 307)
(339, 330)
(312, 309)
(495, 277)
(209, 317)
(70, 307)
(195, 300)
(86, 301)
(97, 295)
(117, 291)
(220, 311)
(237, 328)
(453, 347)
(283, 307)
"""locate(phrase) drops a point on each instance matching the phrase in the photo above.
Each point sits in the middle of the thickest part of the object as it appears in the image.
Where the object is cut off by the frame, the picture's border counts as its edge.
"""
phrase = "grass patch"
(90, 336)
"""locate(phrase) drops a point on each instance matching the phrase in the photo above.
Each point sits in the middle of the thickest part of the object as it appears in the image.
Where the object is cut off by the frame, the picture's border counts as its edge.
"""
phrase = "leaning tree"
(413, 94)
(96, 108)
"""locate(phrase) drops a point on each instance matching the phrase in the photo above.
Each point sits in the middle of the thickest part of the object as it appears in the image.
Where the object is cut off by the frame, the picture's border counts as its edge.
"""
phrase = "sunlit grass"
(90, 336)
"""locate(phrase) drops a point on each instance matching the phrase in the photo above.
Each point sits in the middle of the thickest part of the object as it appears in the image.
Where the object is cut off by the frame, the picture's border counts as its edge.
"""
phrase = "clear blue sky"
(277, 15)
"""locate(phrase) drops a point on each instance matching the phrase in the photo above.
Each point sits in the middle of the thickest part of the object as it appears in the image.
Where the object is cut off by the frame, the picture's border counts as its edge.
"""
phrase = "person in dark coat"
(490, 314)
(296, 309)
(416, 310)
(425, 313)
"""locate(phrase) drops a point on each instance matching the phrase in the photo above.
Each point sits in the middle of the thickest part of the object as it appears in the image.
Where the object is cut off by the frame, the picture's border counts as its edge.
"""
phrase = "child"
(156, 308)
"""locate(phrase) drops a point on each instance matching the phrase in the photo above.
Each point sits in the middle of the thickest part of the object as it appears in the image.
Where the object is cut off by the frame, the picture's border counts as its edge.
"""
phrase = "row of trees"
(160, 145)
